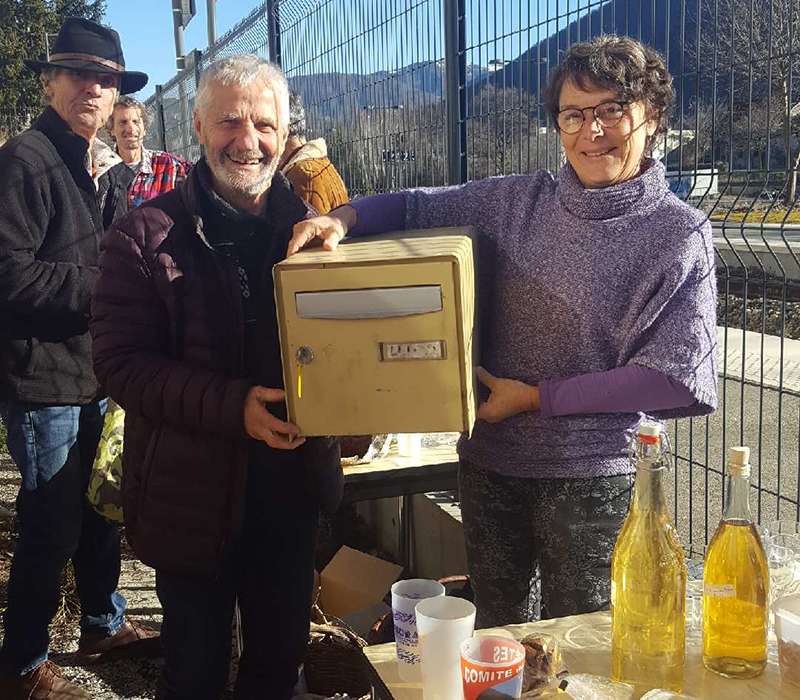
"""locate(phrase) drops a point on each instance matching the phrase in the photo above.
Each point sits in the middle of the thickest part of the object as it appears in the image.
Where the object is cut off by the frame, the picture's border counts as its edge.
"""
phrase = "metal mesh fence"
(429, 92)
(173, 104)
(373, 87)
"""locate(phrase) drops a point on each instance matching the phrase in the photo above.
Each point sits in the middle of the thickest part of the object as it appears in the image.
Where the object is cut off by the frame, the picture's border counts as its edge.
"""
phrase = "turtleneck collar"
(638, 195)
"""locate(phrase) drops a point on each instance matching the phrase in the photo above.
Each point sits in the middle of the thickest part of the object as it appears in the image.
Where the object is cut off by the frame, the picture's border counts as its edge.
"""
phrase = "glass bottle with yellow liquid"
(648, 579)
(735, 583)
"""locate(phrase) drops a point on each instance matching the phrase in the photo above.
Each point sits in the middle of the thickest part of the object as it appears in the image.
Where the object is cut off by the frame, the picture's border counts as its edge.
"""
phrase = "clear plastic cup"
(787, 630)
(587, 686)
(442, 624)
(694, 608)
(784, 571)
(405, 596)
(789, 529)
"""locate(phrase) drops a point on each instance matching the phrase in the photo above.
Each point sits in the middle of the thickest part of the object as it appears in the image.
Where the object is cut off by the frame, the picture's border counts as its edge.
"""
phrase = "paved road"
(773, 233)
(766, 418)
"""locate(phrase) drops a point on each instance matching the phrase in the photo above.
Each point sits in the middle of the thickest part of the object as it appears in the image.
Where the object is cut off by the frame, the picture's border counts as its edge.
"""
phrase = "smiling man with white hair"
(242, 161)
(221, 495)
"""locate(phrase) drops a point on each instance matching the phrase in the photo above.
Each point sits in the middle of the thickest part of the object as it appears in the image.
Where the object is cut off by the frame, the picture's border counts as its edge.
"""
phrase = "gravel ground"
(777, 316)
(131, 679)
(128, 679)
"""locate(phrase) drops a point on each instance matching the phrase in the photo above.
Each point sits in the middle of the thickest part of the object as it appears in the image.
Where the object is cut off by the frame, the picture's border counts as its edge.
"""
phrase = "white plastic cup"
(410, 445)
(442, 624)
(405, 596)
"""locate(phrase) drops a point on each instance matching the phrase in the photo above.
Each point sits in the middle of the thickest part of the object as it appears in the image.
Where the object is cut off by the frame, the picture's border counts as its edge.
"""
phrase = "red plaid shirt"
(160, 172)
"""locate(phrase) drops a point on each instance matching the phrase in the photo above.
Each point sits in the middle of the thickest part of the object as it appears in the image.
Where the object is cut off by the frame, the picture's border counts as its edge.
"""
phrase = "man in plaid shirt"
(156, 172)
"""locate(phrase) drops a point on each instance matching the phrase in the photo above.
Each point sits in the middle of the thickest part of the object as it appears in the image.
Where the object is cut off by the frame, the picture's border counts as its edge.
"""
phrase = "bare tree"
(710, 125)
(383, 149)
(760, 40)
(504, 136)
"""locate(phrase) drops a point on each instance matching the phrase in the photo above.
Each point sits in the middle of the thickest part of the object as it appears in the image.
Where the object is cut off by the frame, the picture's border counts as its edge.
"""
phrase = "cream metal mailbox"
(377, 336)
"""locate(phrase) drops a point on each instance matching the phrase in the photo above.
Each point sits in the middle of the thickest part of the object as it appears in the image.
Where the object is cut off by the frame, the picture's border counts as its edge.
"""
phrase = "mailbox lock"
(304, 355)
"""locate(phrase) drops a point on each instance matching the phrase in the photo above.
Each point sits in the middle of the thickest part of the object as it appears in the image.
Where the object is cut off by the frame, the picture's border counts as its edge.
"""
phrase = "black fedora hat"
(86, 45)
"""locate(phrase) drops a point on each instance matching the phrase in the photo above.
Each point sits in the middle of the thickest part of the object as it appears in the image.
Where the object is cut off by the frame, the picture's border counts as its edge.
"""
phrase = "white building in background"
(691, 182)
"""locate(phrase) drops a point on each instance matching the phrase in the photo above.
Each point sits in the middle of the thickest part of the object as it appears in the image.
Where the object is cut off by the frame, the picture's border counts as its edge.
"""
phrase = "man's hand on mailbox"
(508, 397)
(330, 228)
(260, 424)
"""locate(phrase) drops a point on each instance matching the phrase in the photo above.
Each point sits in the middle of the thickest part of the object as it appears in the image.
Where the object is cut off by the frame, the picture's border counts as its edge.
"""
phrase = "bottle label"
(719, 590)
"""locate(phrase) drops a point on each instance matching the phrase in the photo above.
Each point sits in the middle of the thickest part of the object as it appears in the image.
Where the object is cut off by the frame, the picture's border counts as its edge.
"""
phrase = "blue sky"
(148, 43)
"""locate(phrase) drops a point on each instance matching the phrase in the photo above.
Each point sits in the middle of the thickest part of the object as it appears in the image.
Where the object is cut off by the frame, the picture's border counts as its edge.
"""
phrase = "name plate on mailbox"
(426, 350)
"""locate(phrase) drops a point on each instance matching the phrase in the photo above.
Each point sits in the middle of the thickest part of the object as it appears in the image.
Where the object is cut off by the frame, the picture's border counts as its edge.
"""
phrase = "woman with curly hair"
(597, 296)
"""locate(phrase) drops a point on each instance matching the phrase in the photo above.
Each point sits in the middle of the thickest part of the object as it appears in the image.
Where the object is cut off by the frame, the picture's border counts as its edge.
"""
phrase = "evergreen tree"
(24, 23)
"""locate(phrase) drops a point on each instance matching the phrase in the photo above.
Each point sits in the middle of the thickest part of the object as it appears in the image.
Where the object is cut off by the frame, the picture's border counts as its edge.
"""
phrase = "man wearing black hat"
(61, 188)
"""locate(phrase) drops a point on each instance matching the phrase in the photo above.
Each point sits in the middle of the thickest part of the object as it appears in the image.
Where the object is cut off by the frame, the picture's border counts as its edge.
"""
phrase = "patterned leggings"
(540, 548)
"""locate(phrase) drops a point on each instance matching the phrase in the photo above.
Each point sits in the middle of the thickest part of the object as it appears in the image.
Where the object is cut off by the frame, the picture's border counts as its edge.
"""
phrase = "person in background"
(61, 187)
(598, 295)
(155, 172)
(217, 496)
(306, 164)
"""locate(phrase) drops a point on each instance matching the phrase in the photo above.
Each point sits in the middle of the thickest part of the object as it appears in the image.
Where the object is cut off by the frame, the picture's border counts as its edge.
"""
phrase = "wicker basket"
(335, 661)
(355, 445)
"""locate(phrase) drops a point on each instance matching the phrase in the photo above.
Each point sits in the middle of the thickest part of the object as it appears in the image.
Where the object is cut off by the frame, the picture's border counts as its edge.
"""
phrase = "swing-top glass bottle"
(648, 579)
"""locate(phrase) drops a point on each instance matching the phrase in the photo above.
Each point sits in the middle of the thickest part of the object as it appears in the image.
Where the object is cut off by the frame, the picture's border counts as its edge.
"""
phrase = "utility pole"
(182, 13)
(456, 81)
(274, 32)
(211, 17)
(47, 45)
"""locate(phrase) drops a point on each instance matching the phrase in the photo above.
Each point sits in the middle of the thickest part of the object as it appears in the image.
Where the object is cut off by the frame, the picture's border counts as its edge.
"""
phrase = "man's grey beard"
(243, 185)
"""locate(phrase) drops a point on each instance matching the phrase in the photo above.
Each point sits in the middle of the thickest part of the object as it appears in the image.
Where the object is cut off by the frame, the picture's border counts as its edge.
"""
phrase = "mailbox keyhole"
(304, 355)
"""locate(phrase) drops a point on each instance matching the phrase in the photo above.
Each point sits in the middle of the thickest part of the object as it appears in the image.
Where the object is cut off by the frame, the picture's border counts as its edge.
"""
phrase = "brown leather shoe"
(133, 640)
(45, 682)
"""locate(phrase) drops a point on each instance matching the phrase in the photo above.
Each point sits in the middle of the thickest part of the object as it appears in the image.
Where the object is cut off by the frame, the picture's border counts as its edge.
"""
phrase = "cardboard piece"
(353, 586)
(362, 621)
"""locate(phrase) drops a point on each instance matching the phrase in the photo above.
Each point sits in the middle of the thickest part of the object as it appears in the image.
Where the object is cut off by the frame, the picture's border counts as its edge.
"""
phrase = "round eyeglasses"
(606, 114)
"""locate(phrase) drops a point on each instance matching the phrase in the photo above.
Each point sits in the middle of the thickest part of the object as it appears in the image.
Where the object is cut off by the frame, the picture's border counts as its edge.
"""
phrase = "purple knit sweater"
(575, 281)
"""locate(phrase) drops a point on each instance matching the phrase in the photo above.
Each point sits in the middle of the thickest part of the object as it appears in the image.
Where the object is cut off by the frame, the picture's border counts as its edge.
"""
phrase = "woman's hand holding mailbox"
(260, 424)
(331, 228)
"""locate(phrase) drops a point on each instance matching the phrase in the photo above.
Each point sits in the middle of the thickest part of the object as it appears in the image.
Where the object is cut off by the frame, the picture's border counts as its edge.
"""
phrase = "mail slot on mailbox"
(377, 336)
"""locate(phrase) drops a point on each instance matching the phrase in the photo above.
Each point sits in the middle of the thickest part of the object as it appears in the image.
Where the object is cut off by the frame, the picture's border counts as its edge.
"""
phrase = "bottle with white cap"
(736, 583)
(648, 578)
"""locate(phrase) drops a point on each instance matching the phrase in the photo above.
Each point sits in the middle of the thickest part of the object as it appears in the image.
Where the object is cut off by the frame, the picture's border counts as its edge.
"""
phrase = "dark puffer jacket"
(168, 330)
(51, 219)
